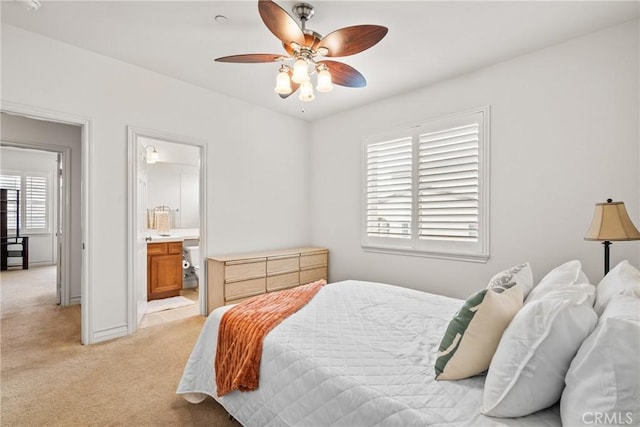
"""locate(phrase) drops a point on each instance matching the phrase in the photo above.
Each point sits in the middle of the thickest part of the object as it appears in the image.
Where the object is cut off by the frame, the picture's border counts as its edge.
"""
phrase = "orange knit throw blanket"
(242, 330)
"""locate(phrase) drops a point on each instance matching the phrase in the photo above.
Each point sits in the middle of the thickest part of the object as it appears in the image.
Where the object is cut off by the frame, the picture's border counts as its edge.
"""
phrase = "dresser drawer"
(318, 259)
(282, 281)
(245, 270)
(283, 265)
(237, 301)
(313, 274)
(244, 288)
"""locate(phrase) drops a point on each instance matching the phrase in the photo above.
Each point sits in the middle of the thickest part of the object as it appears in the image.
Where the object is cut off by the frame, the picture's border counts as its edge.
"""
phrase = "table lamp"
(611, 222)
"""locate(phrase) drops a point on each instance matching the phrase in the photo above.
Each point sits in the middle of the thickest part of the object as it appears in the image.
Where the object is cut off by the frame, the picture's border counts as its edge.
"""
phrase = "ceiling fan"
(306, 48)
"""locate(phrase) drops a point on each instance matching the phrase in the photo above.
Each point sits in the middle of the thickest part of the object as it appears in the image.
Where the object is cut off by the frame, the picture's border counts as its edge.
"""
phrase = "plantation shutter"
(426, 188)
(11, 182)
(448, 189)
(36, 203)
(389, 189)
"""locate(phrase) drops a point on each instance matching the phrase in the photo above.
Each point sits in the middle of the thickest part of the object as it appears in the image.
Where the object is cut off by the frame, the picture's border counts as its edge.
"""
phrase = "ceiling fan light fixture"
(300, 71)
(283, 82)
(306, 92)
(304, 47)
(324, 80)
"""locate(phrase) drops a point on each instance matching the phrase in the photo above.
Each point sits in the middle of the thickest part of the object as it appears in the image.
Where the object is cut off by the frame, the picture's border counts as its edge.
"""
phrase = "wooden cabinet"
(232, 279)
(164, 270)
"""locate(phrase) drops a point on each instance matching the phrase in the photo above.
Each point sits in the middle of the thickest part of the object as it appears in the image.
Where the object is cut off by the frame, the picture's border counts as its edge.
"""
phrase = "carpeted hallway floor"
(49, 378)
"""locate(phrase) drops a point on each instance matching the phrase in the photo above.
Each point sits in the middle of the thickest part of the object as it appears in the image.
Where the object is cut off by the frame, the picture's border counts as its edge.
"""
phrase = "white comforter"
(359, 354)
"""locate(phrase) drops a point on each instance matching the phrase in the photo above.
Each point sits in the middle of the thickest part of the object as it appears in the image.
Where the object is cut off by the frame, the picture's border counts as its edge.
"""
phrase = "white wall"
(257, 181)
(42, 248)
(564, 125)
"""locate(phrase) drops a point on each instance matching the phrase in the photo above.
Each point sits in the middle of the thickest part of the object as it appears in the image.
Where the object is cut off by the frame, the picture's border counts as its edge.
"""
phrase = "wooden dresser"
(231, 279)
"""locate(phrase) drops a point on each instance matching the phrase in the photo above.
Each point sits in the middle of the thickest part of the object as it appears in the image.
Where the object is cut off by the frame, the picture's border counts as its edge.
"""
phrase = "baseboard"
(109, 334)
(75, 300)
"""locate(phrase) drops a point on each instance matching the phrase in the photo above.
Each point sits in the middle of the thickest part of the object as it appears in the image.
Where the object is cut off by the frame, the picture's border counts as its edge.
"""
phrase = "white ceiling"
(428, 41)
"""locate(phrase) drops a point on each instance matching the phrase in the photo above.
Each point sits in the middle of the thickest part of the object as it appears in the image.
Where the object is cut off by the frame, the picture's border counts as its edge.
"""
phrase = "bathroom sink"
(164, 235)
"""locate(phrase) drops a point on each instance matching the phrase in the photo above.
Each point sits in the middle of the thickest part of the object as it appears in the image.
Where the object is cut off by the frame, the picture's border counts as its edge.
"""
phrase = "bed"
(359, 354)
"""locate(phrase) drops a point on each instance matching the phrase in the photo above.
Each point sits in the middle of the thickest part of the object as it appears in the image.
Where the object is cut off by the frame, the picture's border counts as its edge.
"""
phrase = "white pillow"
(622, 279)
(520, 274)
(603, 378)
(582, 293)
(566, 274)
(527, 371)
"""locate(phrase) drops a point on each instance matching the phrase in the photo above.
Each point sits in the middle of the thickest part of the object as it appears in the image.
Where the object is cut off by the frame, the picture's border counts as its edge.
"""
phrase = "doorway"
(37, 161)
(79, 211)
(166, 227)
(33, 188)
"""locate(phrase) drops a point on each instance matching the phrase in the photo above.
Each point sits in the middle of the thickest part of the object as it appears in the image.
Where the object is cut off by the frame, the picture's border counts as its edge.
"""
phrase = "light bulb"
(324, 80)
(306, 92)
(283, 83)
(300, 71)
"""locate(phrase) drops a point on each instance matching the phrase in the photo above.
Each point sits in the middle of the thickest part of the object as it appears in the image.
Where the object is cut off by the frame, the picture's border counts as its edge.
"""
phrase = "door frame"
(86, 141)
(133, 133)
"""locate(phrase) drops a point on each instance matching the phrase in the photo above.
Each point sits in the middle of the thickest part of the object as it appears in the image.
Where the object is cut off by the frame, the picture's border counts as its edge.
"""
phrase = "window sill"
(33, 233)
(479, 258)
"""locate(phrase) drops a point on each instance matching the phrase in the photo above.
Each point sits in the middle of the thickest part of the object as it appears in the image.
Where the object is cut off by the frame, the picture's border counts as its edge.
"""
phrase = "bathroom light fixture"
(152, 154)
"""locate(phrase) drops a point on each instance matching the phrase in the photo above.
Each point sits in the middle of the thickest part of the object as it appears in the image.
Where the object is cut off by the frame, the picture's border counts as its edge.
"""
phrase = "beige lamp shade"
(611, 222)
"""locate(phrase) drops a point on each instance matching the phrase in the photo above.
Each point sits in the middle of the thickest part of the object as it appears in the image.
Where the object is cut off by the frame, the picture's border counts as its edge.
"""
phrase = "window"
(35, 203)
(426, 188)
(34, 199)
(11, 182)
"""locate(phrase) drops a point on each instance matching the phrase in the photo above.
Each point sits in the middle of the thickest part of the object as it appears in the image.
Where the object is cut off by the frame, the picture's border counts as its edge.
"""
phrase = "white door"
(140, 269)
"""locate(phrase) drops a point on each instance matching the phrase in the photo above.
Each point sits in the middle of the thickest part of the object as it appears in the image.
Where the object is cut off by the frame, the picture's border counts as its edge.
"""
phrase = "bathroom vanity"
(164, 269)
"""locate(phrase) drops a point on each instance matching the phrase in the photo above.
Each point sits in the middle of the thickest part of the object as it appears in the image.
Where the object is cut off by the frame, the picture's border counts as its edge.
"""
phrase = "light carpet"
(49, 379)
(167, 304)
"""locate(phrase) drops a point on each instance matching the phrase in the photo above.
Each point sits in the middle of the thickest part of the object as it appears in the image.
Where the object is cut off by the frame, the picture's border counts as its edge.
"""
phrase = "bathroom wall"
(174, 181)
(176, 186)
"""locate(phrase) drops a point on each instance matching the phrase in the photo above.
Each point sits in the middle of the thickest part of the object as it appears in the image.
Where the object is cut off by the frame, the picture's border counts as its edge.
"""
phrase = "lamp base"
(606, 244)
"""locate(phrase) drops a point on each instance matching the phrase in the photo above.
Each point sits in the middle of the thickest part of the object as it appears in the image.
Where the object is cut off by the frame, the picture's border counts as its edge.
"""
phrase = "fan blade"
(344, 75)
(250, 58)
(351, 40)
(280, 23)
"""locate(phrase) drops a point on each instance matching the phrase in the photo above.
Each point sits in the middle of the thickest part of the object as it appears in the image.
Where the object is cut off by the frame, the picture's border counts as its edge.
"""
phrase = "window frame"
(414, 246)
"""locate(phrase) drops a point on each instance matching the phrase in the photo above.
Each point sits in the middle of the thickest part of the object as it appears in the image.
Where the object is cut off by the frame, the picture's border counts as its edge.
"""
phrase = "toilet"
(193, 257)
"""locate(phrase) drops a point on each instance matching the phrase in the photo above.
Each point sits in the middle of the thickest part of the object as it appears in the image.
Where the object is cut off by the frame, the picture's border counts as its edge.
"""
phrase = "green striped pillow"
(473, 334)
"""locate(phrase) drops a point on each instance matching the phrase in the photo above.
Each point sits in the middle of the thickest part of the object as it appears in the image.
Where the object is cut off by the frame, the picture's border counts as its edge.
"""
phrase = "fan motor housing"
(304, 11)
